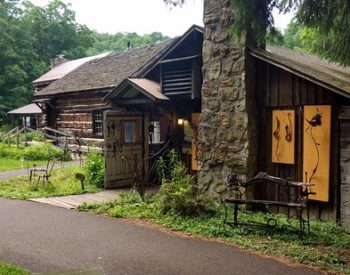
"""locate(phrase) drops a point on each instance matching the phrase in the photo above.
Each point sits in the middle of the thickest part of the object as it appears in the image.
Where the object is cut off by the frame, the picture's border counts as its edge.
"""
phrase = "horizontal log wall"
(74, 114)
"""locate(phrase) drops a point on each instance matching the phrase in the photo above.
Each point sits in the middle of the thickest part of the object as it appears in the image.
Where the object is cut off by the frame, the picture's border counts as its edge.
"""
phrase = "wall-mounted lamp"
(180, 121)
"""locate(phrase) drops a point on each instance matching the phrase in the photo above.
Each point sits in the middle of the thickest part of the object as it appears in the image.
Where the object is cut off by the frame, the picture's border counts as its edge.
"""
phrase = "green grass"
(327, 247)
(62, 182)
(13, 164)
(9, 269)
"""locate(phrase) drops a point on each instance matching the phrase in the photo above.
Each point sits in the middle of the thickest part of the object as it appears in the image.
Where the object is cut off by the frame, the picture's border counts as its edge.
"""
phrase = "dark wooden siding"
(279, 89)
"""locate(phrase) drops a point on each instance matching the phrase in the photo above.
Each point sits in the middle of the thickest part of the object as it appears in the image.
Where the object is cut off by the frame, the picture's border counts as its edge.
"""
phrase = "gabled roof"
(65, 68)
(105, 72)
(142, 71)
(148, 88)
(30, 109)
(328, 75)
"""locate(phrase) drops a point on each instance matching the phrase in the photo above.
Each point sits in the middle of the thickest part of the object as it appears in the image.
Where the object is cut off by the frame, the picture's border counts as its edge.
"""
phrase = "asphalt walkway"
(43, 238)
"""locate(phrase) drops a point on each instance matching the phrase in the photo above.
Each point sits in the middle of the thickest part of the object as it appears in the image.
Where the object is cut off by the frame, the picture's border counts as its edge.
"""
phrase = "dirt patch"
(345, 256)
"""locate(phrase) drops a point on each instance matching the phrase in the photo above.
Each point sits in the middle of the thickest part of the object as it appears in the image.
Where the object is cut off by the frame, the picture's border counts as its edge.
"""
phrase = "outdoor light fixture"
(180, 121)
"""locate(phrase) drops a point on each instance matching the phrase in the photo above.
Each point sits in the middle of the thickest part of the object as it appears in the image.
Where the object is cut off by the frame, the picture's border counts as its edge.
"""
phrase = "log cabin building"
(138, 101)
(246, 110)
(74, 102)
(155, 108)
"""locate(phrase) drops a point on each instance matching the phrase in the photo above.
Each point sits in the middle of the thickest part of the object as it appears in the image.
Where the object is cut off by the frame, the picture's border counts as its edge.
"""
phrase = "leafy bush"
(179, 193)
(43, 152)
(10, 152)
(32, 137)
(94, 167)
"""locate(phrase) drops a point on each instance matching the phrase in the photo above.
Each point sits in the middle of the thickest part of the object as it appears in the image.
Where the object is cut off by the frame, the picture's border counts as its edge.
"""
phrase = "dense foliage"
(94, 167)
(105, 42)
(328, 21)
(30, 36)
(179, 193)
(45, 151)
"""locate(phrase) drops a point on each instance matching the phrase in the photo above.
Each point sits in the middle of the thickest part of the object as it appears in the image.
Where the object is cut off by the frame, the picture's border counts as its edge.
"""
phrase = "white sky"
(141, 16)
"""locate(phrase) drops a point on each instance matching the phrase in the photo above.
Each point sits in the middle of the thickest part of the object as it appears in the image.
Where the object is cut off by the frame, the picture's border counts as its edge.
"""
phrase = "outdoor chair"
(43, 172)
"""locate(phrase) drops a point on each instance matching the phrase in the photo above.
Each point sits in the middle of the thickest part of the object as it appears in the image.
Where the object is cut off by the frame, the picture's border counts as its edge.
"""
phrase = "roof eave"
(257, 54)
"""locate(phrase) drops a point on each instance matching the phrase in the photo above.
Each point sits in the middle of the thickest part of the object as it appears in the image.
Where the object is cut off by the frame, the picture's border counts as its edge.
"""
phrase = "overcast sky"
(141, 16)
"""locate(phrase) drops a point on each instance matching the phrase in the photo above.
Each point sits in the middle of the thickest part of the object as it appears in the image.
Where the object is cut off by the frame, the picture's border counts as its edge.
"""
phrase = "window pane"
(129, 132)
(98, 122)
(156, 132)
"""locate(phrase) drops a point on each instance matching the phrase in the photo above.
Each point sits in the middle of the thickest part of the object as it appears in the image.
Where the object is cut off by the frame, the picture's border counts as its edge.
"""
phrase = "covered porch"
(143, 125)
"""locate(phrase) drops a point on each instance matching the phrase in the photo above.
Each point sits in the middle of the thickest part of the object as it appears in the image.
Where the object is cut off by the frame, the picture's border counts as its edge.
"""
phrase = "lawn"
(62, 182)
(9, 269)
(327, 247)
(13, 164)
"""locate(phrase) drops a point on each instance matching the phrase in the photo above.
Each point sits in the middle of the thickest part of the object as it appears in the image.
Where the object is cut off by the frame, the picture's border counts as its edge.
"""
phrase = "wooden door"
(126, 140)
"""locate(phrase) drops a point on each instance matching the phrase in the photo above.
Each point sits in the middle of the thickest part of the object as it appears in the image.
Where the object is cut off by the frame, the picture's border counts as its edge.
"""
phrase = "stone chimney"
(226, 140)
(58, 60)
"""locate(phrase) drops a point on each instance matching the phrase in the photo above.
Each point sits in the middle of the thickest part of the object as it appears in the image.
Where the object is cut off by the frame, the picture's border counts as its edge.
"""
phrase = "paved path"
(41, 237)
(73, 201)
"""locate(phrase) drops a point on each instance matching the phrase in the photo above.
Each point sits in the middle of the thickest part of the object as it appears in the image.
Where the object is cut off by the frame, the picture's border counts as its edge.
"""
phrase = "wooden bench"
(294, 195)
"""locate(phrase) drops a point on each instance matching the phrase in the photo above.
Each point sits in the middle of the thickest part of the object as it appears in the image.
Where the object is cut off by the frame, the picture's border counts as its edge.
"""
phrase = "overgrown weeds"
(94, 168)
(179, 192)
(42, 151)
(10, 269)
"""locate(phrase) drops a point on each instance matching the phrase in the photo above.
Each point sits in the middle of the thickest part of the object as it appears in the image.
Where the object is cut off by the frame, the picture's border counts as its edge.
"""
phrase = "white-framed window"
(155, 133)
(98, 122)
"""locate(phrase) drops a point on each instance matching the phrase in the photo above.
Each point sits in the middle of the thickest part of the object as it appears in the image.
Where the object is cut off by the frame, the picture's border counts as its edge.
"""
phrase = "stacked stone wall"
(223, 131)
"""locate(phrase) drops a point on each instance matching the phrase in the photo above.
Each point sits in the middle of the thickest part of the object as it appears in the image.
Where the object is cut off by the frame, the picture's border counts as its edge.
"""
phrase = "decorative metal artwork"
(316, 150)
(283, 136)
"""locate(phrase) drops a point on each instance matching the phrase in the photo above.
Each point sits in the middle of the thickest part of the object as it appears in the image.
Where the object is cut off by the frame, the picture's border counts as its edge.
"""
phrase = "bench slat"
(267, 203)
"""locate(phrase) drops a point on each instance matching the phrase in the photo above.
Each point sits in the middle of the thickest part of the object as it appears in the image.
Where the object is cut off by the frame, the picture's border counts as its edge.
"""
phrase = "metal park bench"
(294, 197)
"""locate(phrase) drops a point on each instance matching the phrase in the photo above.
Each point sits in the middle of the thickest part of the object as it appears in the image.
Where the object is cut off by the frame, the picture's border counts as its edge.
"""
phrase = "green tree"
(292, 36)
(275, 37)
(118, 42)
(56, 31)
(19, 61)
(329, 19)
(29, 37)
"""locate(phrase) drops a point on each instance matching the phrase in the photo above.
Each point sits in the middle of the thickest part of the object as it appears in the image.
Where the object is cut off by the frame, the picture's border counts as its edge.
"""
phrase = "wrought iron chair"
(44, 173)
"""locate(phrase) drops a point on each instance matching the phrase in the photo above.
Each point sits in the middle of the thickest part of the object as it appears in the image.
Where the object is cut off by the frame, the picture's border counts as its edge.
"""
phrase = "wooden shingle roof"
(106, 72)
(328, 75)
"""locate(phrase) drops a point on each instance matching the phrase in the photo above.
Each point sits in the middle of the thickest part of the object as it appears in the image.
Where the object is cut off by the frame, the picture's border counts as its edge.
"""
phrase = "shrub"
(94, 167)
(10, 152)
(43, 152)
(179, 192)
